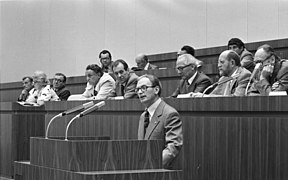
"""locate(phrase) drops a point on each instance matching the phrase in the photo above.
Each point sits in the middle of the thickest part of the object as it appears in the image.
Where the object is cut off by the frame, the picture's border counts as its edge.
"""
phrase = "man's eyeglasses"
(262, 61)
(57, 80)
(37, 81)
(182, 67)
(143, 88)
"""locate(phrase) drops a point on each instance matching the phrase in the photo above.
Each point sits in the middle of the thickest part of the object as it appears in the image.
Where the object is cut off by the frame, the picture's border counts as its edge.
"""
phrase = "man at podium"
(159, 120)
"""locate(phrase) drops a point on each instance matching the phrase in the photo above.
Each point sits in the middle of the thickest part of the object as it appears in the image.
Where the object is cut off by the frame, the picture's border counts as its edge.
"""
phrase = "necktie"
(187, 86)
(122, 90)
(146, 121)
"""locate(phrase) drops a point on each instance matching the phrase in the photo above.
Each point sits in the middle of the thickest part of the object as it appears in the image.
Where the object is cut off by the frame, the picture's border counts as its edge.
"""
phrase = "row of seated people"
(160, 120)
(142, 64)
(115, 78)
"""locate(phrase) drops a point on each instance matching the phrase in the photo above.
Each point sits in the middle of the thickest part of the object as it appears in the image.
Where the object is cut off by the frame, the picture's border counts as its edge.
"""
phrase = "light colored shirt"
(192, 78)
(146, 67)
(102, 89)
(153, 107)
(45, 94)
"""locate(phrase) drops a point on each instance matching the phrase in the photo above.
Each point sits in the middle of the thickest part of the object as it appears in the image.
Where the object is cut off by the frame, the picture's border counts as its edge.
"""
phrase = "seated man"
(192, 80)
(234, 78)
(106, 61)
(142, 62)
(190, 50)
(272, 74)
(99, 84)
(42, 90)
(126, 81)
(27, 86)
(59, 83)
(159, 121)
(246, 57)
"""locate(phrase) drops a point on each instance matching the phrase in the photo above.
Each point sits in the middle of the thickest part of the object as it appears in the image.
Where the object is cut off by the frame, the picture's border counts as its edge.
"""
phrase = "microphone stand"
(209, 87)
(46, 135)
(66, 131)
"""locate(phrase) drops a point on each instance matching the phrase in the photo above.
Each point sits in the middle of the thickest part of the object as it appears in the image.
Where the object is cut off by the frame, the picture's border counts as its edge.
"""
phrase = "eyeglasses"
(143, 88)
(182, 67)
(37, 81)
(262, 61)
(57, 80)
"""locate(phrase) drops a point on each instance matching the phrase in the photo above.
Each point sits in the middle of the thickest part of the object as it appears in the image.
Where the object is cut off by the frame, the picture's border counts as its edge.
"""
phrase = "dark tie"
(95, 93)
(187, 86)
(122, 90)
(146, 121)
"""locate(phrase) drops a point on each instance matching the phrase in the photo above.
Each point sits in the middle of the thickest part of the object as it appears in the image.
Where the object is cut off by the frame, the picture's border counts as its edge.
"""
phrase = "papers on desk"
(28, 104)
(117, 98)
(77, 97)
(278, 93)
(188, 95)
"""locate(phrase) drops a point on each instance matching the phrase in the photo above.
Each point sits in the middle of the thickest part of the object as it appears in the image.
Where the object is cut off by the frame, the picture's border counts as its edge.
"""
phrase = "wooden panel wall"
(224, 138)
(17, 125)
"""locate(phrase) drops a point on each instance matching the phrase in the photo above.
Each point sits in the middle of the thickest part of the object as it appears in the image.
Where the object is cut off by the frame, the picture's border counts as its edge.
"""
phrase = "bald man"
(272, 74)
(192, 80)
(235, 77)
(143, 62)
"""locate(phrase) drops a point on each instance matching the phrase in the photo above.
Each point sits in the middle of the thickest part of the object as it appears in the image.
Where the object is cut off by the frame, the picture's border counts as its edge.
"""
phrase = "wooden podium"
(85, 158)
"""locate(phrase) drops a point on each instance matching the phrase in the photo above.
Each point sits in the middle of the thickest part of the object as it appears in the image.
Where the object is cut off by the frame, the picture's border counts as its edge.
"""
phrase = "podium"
(85, 158)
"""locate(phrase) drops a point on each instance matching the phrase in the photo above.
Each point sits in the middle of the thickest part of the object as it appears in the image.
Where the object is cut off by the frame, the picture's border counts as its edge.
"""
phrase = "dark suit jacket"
(63, 94)
(237, 85)
(164, 125)
(128, 90)
(247, 62)
(199, 84)
(279, 75)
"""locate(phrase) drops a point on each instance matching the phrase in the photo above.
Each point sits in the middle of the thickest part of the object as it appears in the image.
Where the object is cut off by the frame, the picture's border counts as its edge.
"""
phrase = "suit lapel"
(235, 79)
(141, 127)
(155, 120)
(191, 87)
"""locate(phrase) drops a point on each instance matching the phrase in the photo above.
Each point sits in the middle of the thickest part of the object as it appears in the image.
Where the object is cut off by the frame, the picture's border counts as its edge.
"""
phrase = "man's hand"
(267, 72)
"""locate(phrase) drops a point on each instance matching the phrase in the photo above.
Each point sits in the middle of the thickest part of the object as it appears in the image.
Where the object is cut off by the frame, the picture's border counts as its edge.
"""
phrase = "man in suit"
(234, 78)
(159, 121)
(190, 50)
(192, 80)
(246, 57)
(143, 63)
(272, 75)
(106, 61)
(99, 83)
(59, 83)
(126, 81)
(27, 86)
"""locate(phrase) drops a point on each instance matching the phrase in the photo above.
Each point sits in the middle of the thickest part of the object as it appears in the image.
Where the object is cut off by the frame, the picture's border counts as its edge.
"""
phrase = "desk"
(17, 125)
(224, 137)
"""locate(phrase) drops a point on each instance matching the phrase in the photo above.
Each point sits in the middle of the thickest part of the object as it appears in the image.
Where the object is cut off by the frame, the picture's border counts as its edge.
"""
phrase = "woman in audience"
(42, 90)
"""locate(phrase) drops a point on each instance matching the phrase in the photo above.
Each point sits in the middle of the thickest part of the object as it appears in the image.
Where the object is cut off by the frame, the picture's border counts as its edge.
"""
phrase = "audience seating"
(169, 77)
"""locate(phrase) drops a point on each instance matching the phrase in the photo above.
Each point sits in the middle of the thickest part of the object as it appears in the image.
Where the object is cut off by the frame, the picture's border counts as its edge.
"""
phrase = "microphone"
(84, 113)
(257, 66)
(77, 108)
(91, 109)
(218, 83)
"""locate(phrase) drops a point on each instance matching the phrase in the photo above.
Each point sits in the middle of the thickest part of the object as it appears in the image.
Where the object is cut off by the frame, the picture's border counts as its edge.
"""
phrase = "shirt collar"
(192, 78)
(235, 72)
(151, 109)
(146, 67)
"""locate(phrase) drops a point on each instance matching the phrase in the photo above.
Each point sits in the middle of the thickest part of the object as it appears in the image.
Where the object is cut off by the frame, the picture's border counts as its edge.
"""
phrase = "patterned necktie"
(146, 121)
